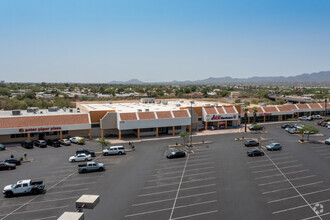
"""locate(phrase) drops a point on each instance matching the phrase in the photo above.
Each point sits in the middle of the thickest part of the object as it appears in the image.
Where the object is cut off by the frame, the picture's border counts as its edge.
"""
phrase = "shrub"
(302, 140)
(176, 143)
(21, 159)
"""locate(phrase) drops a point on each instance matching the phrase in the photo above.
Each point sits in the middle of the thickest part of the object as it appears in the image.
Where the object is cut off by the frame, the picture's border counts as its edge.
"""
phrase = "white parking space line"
(181, 197)
(42, 201)
(325, 154)
(260, 171)
(298, 178)
(161, 210)
(324, 214)
(299, 171)
(323, 150)
(195, 174)
(299, 194)
(288, 188)
(258, 161)
(159, 174)
(264, 165)
(177, 193)
(171, 184)
(279, 155)
(188, 188)
(77, 184)
(198, 214)
(296, 196)
(49, 217)
(202, 168)
(37, 210)
(180, 166)
(281, 158)
(290, 161)
(68, 191)
(298, 207)
(303, 177)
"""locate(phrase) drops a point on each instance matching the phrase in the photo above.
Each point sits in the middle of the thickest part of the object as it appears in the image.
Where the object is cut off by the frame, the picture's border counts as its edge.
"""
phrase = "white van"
(114, 150)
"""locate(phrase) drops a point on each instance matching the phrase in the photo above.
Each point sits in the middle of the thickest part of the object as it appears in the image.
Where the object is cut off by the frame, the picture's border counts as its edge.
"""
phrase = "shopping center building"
(147, 117)
(35, 124)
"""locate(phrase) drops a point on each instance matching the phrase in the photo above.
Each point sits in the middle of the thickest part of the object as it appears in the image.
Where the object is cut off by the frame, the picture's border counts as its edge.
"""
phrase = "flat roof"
(135, 106)
(41, 112)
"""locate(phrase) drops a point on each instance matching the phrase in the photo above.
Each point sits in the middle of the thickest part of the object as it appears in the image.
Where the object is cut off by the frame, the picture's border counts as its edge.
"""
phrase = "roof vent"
(70, 110)
(177, 105)
(139, 110)
(146, 109)
(16, 112)
(64, 109)
(110, 102)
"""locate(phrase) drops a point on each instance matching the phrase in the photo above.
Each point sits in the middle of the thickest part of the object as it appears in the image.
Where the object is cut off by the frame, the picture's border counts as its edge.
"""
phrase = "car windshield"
(13, 186)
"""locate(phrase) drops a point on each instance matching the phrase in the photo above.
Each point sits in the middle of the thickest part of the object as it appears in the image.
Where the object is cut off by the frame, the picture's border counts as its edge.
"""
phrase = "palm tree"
(245, 110)
(255, 110)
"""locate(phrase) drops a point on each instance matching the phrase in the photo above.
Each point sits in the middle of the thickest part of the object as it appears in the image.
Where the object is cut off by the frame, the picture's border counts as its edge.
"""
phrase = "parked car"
(77, 140)
(114, 150)
(327, 141)
(293, 131)
(53, 142)
(27, 144)
(286, 126)
(80, 157)
(323, 122)
(7, 166)
(274, 146)
(2, 147)
(90, 167)
(176, 154)
(13, 161)
(255, 127)
(24, 187)
(40, 143)
(65, 142)
(305, 118)
(317, 117)
(250, 143)
(85, 151)
(255, 152)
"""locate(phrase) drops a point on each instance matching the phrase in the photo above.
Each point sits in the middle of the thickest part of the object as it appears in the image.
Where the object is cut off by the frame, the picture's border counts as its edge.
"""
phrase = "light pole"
(325, 107)
(191, 102)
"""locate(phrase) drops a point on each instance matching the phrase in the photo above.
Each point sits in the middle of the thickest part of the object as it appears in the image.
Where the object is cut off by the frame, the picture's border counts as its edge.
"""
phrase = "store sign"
(221, 117)
(265, 114)
(40, 129)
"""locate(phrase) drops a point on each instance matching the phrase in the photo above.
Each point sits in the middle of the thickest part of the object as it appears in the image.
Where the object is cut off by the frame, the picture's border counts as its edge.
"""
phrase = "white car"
(327, 141)
(114, 150)
(77, 140)
(65, 142)
(80, 157)
(305, 118)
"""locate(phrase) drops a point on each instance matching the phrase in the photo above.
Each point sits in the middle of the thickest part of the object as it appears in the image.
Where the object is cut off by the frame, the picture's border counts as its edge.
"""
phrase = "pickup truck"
(24, 187)
(90, 167)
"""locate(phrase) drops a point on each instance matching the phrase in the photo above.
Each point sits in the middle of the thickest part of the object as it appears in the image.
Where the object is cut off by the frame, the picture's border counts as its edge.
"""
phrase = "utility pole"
(191, 102)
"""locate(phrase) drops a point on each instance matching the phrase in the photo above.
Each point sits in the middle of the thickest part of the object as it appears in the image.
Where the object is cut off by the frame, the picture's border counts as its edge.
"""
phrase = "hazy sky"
(161, 40)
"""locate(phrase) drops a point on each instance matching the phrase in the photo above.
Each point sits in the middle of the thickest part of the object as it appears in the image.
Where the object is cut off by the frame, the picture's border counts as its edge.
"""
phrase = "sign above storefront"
(40, 129)
(227, 117)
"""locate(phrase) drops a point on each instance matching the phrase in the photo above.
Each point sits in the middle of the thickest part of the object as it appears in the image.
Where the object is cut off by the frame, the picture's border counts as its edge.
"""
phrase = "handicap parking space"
(183, 188)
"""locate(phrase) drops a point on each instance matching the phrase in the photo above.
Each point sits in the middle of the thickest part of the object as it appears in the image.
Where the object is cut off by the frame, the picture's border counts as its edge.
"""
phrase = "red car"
(7, 166)
(320, 122)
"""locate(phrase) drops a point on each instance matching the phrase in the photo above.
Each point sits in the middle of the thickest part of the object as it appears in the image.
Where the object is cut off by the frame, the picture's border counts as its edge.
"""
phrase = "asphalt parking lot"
(215, 181)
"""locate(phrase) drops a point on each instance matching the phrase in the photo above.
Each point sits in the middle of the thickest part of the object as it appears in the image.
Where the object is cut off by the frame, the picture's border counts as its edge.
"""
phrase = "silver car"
(274, 146)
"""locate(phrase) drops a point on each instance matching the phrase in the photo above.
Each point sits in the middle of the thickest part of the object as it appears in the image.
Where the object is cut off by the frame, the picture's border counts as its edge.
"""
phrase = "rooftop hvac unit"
(71, 110)
(177, 105)
(78, 109)
(216, 104)
(53, 109)
(32, 109)
(181, 101)
(16, 112)
(41, 112)
(146, 109)
(64, 109)
(139, 110)
(207, 105)
(110, 102)
(164, 102)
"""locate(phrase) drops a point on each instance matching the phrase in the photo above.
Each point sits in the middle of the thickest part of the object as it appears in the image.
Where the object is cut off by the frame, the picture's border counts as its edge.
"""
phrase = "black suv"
(250, 143)
(176, 154)
(27, 144)
(85, 151)
(13, 160)
(53, 142)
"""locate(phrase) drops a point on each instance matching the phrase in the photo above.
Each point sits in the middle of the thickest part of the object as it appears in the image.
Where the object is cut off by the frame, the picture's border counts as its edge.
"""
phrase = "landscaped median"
(193, 143)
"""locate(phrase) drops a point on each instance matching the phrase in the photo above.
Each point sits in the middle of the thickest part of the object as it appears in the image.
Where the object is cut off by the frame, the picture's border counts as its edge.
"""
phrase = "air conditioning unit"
(32, 109)
(53, 109)
(64, 109)
(139, 110)
(16, 112)
(110, 102)
(146, 109)
(71, 110)
(177, 105)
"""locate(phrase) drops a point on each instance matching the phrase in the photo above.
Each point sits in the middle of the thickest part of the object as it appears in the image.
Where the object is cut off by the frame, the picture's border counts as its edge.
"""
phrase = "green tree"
(255, 110)
(103, 142)
(245, 110)
(184, 136)
(308, 129)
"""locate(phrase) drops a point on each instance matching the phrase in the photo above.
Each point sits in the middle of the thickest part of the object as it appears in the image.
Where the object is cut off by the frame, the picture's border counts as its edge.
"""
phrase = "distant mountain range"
(306, 78)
